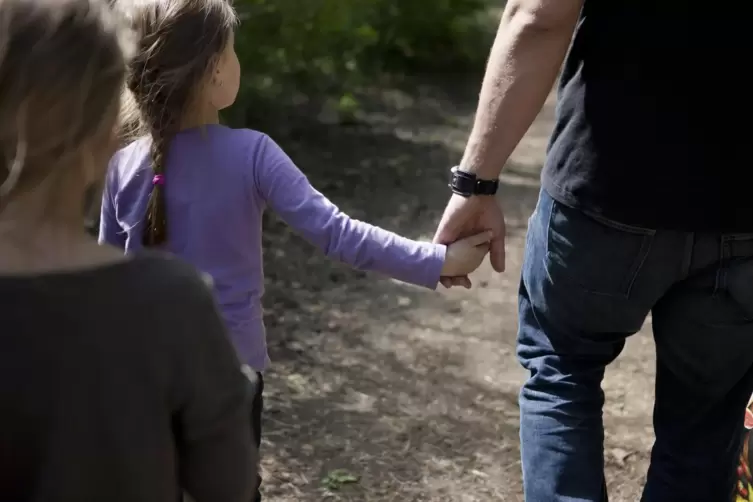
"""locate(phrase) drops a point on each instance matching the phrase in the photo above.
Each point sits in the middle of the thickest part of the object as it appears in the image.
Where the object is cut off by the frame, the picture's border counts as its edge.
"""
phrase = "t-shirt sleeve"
(288, 193)
(110, 231)
(218, 458)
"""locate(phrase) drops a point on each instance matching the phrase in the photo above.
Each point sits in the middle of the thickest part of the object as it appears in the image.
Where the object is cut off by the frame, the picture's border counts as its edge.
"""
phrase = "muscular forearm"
(524, 62)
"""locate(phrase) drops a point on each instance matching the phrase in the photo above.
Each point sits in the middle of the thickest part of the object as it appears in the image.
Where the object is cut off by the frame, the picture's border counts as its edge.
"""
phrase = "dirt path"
(380, 391)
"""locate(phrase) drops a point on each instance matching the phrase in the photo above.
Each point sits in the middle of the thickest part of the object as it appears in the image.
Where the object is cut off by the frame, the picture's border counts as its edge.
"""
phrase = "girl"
(198, 189)
(103, 397)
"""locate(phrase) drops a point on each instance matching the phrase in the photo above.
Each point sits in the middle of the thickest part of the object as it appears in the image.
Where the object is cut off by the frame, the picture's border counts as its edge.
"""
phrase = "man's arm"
(531, 43)
(529, 49)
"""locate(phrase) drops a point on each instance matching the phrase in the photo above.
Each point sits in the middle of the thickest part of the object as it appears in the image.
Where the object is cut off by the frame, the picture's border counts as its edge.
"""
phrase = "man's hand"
(468, 216)
(531, 43)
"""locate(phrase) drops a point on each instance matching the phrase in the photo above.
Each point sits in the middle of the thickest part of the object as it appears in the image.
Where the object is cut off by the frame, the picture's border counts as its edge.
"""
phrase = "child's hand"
(465, 256)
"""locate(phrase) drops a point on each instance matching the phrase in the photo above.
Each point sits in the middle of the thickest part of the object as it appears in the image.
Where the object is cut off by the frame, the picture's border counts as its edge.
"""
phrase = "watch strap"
(467, 184)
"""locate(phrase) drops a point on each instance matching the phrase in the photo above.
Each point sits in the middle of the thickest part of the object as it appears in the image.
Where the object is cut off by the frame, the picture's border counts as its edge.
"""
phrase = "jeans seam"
(738, 237)
(648, 241)
(548, 233)
(616, 225)
(687, 257)
(721, 273)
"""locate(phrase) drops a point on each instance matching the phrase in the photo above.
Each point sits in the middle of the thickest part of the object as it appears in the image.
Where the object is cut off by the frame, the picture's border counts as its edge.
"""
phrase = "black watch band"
(467, 184)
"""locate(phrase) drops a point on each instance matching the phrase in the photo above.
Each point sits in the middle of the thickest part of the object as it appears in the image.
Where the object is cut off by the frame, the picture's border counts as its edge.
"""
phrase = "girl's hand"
(465, 256)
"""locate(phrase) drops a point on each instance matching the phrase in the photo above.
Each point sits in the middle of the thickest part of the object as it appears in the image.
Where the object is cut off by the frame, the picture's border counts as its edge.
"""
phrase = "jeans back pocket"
(598, 255)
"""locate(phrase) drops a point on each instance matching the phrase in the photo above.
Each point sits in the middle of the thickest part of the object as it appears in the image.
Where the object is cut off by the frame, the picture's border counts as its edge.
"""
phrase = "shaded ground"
(380, 391)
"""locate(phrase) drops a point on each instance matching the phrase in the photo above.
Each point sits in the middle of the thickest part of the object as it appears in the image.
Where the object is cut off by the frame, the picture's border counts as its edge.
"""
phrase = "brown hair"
(62, 65)
(178, 43)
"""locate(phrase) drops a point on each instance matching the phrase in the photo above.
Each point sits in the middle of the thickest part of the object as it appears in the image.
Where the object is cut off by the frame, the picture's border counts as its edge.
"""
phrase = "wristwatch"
(467, 184)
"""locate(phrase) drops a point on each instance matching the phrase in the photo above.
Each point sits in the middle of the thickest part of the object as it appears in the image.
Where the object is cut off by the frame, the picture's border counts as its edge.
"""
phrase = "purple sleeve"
(110, 231)
(361, 245)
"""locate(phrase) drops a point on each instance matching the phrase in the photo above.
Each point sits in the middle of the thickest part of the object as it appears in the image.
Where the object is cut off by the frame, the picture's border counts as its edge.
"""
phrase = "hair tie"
(158, 179)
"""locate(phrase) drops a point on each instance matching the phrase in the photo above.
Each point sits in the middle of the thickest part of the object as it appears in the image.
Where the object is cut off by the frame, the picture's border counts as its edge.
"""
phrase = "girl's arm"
(363, 246)
(110, 231)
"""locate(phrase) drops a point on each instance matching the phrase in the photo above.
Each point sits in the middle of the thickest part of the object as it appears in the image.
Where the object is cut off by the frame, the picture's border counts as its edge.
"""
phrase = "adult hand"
(467, 216)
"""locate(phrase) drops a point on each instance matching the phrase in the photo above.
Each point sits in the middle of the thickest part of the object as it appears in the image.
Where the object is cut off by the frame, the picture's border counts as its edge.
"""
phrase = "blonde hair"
(178, 42)
(62, 65)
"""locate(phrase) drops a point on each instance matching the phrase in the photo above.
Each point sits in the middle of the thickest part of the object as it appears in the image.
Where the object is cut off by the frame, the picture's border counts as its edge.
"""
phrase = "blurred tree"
(330, 44)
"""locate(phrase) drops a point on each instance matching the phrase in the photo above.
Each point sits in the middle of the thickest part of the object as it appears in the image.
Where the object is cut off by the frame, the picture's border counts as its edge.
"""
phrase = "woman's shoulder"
(123, 285)
(139, 277)
(167, 275)
(174, 300)
(159, 291)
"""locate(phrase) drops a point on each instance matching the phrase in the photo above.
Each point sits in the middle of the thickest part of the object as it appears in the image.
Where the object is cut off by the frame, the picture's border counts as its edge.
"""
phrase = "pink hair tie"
(158, 179)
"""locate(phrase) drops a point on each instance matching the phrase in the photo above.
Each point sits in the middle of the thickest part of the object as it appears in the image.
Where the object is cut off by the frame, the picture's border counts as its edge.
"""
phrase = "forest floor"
(380, 391)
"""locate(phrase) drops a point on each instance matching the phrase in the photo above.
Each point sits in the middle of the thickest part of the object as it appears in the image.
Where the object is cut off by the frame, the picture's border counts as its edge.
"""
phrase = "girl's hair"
(62, 65)
(178, 44)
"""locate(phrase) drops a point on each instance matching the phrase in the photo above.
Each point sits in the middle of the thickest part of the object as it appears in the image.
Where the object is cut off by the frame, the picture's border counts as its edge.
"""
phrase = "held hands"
(465, 255)
(469, 216)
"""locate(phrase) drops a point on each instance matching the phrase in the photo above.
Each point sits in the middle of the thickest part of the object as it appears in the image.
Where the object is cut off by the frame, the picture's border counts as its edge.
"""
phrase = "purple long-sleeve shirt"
(218, 182)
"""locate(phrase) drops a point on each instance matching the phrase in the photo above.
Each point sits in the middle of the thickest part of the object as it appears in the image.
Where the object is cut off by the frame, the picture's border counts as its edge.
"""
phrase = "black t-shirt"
(654, 124)
(119, 384)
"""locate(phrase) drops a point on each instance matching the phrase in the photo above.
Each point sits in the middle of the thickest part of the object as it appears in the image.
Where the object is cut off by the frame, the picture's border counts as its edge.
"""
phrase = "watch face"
(461, 184)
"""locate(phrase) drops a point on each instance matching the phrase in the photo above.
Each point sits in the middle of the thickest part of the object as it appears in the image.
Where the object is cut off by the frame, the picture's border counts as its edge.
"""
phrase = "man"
(646, 208)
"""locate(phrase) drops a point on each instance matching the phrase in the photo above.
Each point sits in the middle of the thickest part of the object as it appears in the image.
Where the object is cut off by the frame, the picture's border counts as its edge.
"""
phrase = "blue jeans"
(588, 283)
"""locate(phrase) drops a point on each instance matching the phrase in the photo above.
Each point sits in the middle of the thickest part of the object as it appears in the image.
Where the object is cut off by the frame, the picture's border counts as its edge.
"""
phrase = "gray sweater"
(119, 384)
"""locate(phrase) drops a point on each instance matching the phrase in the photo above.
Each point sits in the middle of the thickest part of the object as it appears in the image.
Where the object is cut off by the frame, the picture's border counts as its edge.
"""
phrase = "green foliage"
(335, 480)
(330, 44)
